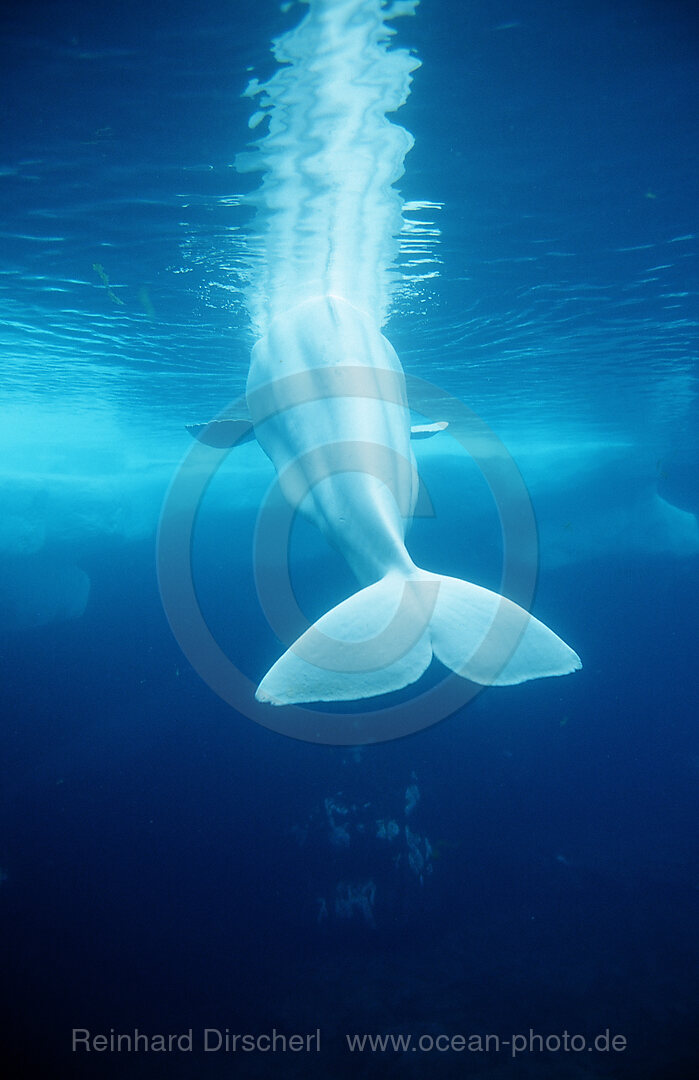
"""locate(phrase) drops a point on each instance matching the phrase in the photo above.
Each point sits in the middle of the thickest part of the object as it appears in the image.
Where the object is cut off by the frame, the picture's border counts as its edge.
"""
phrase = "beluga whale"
(326, 391)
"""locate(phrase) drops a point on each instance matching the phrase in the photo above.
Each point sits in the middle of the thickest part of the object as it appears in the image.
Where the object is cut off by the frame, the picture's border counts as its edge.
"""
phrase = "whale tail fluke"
(383, 638)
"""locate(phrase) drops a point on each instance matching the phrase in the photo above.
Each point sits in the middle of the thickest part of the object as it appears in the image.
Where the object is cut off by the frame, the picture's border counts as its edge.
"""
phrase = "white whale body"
(326, 395)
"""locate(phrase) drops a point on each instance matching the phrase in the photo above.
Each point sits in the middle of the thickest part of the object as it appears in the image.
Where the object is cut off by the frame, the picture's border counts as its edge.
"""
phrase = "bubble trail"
(328, 215)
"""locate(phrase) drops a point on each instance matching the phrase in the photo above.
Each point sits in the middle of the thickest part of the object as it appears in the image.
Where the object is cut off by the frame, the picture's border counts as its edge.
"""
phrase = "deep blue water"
(164, 859)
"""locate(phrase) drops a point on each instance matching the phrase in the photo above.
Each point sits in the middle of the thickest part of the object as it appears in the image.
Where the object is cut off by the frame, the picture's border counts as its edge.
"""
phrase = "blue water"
(165, 861)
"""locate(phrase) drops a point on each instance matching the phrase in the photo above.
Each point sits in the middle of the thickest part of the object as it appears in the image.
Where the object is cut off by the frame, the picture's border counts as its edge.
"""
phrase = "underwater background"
(528, 863)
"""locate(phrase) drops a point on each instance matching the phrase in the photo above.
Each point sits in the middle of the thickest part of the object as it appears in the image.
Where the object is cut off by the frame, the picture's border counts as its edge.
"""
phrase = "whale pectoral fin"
(426, 431)
(235, 431)
(223, 433)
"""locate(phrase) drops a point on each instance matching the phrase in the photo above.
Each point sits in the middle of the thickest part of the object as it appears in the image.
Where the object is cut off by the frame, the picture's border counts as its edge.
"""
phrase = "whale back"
(326, 394)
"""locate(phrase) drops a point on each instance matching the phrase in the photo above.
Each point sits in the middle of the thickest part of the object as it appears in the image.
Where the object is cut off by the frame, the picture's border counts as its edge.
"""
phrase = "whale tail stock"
(383, 638)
